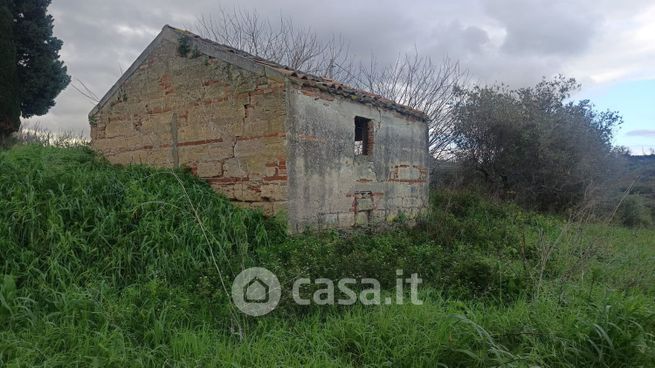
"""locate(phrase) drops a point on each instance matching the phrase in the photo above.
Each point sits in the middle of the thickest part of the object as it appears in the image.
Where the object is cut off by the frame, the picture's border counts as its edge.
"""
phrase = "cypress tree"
(40, 72)
(32, 73)
(9, 103)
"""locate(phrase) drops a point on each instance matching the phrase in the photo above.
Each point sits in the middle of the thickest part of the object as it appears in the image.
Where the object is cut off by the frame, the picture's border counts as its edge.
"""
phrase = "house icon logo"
(256, 291)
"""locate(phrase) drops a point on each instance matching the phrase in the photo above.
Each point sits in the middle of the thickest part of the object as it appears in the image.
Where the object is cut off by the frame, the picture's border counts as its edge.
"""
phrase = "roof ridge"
(301, 78)
(327, 84)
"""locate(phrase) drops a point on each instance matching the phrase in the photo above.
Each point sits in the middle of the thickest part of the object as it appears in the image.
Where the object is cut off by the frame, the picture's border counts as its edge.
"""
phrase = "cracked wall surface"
(226, 123)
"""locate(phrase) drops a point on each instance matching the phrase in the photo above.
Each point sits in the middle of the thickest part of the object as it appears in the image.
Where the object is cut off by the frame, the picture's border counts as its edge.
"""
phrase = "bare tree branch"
(283, 42)
(415, 81)
(411, 79)
(83, 90)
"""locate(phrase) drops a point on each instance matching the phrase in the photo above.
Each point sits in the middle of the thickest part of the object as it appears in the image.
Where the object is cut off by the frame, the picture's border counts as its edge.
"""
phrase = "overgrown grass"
(109, 266)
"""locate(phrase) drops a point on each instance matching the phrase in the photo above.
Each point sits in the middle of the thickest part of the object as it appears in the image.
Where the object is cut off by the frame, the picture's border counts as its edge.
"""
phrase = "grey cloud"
(457, 40)
(544, 27)
(515, 41)
(475, 37)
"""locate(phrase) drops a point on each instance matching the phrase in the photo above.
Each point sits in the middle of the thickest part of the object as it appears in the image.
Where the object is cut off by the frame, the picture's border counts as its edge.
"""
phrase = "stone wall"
(331, 186)
(259, 137)
(225, 122)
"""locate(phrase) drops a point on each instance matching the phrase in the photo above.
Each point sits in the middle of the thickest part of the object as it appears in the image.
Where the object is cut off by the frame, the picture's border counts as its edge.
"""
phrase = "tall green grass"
(75, 230)
(130, 266)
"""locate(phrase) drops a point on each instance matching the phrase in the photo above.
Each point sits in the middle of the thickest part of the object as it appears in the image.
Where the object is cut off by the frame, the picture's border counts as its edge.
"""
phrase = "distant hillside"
(642, 158)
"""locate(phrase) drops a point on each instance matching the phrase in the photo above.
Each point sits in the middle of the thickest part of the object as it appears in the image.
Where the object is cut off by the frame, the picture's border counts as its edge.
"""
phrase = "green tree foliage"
(39, 74)
(532, 144)
(9, 104)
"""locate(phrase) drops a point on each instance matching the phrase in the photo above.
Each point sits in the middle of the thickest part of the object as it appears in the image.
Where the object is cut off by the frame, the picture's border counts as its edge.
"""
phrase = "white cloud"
(624, 50)
(136, 31)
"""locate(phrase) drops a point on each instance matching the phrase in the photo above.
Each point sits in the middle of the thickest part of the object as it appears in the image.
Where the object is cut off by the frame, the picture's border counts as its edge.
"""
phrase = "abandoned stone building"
(323, 153)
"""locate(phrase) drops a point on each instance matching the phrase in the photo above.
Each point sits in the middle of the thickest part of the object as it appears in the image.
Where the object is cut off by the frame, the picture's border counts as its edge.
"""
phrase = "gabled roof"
(257, 64)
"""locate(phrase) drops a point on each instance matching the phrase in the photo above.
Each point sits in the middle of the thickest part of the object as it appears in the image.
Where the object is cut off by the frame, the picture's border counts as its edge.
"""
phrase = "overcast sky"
(608, 45)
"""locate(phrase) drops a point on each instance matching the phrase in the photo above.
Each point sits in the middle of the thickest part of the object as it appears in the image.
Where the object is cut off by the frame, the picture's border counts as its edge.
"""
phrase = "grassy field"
(110, 266)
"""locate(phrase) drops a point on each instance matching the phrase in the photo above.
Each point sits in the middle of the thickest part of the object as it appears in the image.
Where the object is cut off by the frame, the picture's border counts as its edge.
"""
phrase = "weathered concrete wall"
(329, 185)
(225, 122)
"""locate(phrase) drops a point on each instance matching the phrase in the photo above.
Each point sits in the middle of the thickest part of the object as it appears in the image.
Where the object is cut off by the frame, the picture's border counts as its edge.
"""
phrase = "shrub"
(467, 246)
(532, 145)
(634, 212)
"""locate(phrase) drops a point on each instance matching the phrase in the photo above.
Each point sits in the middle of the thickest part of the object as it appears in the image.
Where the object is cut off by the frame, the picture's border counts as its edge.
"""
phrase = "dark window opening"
(363, 136)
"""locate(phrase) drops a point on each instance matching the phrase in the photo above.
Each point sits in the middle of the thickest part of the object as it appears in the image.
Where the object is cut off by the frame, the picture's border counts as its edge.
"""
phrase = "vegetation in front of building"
(104, 265)
(107, 265)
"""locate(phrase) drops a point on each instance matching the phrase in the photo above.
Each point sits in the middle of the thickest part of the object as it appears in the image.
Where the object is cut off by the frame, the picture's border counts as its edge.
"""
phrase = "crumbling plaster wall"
(329, 185)
(225, 122)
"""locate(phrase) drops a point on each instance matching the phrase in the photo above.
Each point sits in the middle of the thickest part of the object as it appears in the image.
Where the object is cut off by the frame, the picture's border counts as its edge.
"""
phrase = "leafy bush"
(466, 246)
(532, 145)
(633, 212)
